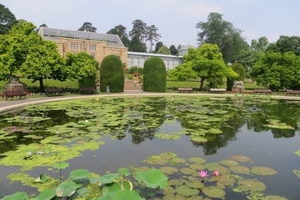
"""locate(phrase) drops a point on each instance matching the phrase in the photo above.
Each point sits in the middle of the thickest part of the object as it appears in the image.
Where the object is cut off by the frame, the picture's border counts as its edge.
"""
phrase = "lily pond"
(157, 148)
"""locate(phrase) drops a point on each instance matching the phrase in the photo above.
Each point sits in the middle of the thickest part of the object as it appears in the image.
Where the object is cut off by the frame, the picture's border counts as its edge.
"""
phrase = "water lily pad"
(241, 158)
(199, 139)
(297, 152)
(263, 170)
(178, 160)
(197, 184)
(168, 170)
(67, 188)
(297, 172)
(274, 197)
(215, 131)
(124, 171)
(175, 182)
(213, 192)
(229, 162)
(79, 174)
(186, 191)
(197, 160)
(240, 169)
(251, 185)
(153, 178)
(187, 170)
(197, 166)
(223, 180)
(17, 195)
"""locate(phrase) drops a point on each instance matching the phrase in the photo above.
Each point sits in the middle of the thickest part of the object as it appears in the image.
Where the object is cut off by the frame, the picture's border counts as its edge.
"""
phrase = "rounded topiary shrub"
(155, 75)
(239, 69)
(111, 74)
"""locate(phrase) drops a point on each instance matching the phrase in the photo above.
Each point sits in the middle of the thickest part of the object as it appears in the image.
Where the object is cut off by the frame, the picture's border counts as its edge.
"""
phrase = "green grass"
(47, 83)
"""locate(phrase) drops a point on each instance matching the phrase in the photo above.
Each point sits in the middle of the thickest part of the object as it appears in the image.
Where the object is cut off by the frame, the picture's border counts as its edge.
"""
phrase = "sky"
(175, 19)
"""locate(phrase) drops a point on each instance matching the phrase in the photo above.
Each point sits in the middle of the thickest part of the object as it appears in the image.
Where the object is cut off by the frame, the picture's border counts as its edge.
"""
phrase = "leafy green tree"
(182, 73)
(158, 46)
(285, 44)
(277, 71)
(138, 30)
(136, 69)
(155, 75)
(87, 27)
(152, 35)
(173, 50)
(164, 50)
(221, 32)
(81, 66)
(240, 70)
(111, 74)
(43, 61)
(120, 30)
(136, 46)
(208, 63)
(15, 46)
(7, 19)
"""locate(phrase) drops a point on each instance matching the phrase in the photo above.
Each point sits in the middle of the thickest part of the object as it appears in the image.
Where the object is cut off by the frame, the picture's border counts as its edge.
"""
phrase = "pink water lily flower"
(216, 173)
(203, 174)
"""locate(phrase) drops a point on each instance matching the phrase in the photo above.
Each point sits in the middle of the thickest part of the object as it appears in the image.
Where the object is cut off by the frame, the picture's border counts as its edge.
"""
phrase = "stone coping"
(9, 105)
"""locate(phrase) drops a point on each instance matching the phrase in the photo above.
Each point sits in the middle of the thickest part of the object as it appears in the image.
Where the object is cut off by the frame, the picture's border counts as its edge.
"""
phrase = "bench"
(292, 92)
(185, 89)
(14, 93)
(262, 91)
(217, 90)
(87, 90)
(53, 91)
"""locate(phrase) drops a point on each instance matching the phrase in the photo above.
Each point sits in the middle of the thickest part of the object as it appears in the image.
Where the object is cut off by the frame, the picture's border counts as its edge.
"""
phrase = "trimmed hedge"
(155, 75)
(239, 69)
(111, 74)
(87, 82)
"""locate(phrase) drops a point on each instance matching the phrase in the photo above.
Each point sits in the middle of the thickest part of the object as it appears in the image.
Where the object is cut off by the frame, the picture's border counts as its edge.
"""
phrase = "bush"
(111, 74)
(136, 69)
(155, 75)
(239, 68)
(87, 83)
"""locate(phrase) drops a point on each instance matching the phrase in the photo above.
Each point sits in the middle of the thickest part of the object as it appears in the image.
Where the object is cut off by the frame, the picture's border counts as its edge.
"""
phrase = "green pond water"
(254, 148)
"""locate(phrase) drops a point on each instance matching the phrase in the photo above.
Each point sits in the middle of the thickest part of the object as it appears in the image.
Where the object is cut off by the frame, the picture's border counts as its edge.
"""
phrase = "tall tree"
(277, 70)
(152, 35)
(285, 44)
(138, 30)
(120, 30)
(136, 45)
(87, 27)
(42, 25)
(207, 61)
(158, 45)
(173, 50)
(221, 32)
(164, 50)
(7, 19)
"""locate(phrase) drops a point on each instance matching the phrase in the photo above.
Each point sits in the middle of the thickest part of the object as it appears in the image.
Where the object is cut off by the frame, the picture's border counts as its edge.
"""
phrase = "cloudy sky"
(175, 19)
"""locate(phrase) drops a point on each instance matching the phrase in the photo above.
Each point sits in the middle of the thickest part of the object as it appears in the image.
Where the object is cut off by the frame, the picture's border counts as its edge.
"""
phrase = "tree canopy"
(207, 61)
(173, 50)
(224, 34)
(277, 71)
(285, 44)
(7, 19)
(164, 50)
(87, 27)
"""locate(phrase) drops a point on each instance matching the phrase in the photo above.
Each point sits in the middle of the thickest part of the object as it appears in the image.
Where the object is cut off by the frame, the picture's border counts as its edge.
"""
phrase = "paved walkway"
(16, 103)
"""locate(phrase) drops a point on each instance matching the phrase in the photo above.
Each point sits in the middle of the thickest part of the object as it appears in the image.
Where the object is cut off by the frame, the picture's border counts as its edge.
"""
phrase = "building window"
(92, 47)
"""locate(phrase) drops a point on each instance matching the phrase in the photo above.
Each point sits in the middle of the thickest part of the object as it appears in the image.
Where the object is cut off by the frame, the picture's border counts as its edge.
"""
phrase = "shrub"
(111, 74)
(239, 68)
(87, 82)
(155, 75)
(136, 69)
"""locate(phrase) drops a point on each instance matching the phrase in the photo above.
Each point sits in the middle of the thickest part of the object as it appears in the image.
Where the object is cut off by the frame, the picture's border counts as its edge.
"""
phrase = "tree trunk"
(42, 88)
(201, 83)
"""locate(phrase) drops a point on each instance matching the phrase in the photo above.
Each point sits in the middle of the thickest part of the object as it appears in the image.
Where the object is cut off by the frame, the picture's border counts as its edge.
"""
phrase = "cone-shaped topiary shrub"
(155, 75)
(239, 68)
(111, 74)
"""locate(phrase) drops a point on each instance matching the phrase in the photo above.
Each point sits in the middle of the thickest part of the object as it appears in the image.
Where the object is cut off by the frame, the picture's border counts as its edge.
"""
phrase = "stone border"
(34, 101)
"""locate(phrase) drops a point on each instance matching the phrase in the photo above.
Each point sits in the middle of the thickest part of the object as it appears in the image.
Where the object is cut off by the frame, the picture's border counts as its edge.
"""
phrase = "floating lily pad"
(178, 160)
(187, 170)
(251, 185)
(274, 197)
(263, 171)
(241, 158)
(199, 139)
(214, 131)
(168, 170)
(175, 182)
(197, 166)
(297, 152)
(240, 169)
(297, 172)
(223, 180)
(186, 191)
(213, 192)
(229, 162)
(153, 178)
(197, 184)
(197, 160)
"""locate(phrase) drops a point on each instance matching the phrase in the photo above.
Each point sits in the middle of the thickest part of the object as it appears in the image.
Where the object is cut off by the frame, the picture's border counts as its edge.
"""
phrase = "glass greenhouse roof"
(54, 34)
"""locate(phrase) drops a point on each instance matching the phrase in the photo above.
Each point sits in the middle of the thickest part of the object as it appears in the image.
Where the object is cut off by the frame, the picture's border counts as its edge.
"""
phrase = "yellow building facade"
(96, 44)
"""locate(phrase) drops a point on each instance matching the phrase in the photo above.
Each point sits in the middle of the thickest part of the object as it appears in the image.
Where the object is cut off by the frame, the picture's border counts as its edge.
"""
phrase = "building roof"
(54, 34)
(153, 54)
